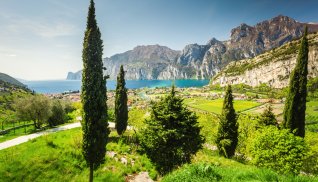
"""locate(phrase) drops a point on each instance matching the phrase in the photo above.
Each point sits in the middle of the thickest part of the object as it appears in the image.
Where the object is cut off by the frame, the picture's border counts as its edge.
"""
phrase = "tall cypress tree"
(227, 136)
(93, 96)
(295, 105)
(121, 109)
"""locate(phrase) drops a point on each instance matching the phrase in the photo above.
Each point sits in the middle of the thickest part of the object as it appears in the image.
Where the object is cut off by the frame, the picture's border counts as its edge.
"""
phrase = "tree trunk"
(91, 172)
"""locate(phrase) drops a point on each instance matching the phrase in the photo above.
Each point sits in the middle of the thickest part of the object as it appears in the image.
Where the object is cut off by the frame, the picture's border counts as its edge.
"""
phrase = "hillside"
(204, 61)
(6, 78)
(272, 67)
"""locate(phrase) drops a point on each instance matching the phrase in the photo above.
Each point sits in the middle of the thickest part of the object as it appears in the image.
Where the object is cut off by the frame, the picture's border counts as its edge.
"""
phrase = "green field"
(215, 106)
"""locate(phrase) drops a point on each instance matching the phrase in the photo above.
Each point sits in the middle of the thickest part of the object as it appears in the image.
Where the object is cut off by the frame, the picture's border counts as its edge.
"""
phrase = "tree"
(58, 115)
(295, 105)
(268, 150)
(227, 136)
(93, 95)
(172, 134)
(121, 109)
(35, 108)
(268, 117)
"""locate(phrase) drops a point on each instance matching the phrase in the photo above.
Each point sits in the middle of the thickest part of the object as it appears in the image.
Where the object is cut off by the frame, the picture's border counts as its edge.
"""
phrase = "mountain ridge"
(204, 61)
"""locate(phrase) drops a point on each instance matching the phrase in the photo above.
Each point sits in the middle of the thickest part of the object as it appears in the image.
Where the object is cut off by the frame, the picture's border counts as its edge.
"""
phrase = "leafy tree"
(295, 106)
(121, 108)
(172, 134)
(278, 149)
(268, 117)
(58, 115)
(227, 136)
(93, 96)
(35, 108)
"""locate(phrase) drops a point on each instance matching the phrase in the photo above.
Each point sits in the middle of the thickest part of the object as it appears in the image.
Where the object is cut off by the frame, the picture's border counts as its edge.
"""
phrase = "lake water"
(59, 86)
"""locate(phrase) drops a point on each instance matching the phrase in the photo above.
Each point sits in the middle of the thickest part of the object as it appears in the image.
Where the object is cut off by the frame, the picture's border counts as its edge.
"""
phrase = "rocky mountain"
(273, 67)
(204, 61)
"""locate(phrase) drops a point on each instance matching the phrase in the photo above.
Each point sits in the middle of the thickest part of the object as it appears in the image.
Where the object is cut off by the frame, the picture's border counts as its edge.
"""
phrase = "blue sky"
(42, 39)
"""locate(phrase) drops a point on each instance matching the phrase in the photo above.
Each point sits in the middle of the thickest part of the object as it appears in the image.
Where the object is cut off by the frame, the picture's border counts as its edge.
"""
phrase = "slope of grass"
(215, 106)
(58, 157)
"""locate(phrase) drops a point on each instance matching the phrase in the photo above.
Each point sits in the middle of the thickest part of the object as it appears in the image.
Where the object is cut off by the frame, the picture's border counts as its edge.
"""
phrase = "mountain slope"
(272, 67)
(6, 78)
(204, 61)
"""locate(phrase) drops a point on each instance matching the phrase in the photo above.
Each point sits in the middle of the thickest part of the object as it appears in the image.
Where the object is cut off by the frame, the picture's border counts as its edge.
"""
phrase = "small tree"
(227, 136)
(268, 117)
(295, 105)
(58, 115)
(35, 108)
(172, 134)
(121, 109)
(278, 149)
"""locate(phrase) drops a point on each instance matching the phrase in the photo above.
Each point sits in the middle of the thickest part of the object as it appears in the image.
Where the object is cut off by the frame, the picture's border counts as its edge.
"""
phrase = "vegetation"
(212, 172)
(121, 108)
(268, 118)
(227, 136)
(215, 106)
(295, 106)
(58, 157)
(93, 95)
(172, 134)
(279, 150)
(35, 108)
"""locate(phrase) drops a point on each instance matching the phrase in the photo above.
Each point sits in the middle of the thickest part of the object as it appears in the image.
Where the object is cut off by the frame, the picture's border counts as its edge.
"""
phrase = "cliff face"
(204, 61)
(273, 67)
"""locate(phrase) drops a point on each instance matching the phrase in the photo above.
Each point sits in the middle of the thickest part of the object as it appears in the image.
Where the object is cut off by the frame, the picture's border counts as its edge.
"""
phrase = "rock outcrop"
(272, 68)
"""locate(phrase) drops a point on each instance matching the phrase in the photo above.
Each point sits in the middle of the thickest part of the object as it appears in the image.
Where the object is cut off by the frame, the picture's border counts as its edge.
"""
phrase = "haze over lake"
(59, 86)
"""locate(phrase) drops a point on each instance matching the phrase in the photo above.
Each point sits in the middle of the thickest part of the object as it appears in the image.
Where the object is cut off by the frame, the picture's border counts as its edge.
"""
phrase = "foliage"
(227, 136)
(279, 150)
(36, 108)
(268, 117)
(207, 172)
(121, 108)
(295, 105)
(58, 115)
(172, 134)
(93, 95)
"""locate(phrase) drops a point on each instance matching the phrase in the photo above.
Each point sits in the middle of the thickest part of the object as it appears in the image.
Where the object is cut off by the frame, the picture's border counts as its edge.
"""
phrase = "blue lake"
(59, 86)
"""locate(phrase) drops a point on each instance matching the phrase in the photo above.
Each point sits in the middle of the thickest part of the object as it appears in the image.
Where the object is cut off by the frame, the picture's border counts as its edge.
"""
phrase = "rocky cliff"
(273, 67)
(204, 61)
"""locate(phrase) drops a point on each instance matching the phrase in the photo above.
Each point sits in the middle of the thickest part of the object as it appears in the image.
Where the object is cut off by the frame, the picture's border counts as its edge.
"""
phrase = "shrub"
(278, 149)
(172, 134)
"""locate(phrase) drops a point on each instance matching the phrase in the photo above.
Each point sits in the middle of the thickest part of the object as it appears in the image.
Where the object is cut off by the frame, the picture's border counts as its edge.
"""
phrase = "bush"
(194, 173)
(172, 134)
(279, 150)
(58, 115)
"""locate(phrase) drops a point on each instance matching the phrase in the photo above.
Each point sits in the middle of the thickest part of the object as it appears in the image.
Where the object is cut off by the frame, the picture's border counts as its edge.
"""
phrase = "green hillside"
(6, 78)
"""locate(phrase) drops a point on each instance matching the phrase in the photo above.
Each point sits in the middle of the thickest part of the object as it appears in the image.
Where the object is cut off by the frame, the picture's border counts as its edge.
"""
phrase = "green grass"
(58, 157)
(18, 132)
(205, 172)
(216, 105)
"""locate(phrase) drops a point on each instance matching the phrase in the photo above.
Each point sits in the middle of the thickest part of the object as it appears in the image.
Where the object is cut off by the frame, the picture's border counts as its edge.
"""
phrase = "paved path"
(26, 138)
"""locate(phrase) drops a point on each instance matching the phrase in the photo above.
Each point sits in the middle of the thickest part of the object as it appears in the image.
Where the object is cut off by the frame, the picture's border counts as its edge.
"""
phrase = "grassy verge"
(58, 157)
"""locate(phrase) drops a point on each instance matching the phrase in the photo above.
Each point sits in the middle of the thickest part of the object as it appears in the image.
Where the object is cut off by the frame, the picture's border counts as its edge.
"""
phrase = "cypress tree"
(227, 136)
(172, 134)
(121, 109)
(93, 96)
(295, 105)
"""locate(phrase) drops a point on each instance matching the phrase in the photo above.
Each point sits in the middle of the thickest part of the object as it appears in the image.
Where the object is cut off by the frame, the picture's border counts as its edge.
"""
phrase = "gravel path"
(26, 138)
